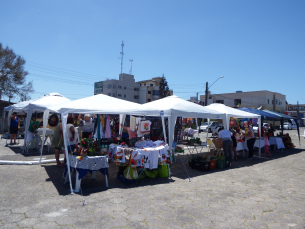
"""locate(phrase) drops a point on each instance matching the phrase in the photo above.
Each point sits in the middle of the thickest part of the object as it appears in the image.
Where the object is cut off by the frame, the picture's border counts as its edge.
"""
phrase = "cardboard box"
(217, 143)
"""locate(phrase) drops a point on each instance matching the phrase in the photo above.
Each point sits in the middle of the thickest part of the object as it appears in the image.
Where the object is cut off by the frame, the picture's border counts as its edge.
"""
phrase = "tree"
(163, 88)
(13, 76)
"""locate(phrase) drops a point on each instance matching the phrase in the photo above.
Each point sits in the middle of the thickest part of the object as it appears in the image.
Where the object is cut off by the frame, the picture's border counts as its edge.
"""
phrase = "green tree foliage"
(163, 88)
(13, 76)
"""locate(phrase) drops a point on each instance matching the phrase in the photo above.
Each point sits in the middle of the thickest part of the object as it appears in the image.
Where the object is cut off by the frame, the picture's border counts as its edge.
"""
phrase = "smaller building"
(150, 90)
(254, 99)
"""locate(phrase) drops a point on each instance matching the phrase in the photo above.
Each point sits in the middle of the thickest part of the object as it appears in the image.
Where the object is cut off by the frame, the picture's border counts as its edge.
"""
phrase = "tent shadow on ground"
(31, 152)
(242, 162)
(90, 186)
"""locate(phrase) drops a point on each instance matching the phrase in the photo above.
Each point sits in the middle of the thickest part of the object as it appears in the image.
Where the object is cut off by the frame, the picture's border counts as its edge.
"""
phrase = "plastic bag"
(131, 173)
(163, 171)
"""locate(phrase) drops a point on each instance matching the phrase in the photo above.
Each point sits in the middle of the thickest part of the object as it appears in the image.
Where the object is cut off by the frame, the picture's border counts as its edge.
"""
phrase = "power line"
(43, 66)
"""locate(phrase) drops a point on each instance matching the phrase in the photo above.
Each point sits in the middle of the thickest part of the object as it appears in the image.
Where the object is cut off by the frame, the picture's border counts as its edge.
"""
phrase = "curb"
(27, 162)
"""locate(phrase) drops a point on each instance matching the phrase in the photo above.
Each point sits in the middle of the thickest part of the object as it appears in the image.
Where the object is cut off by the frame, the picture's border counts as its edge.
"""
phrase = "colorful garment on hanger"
(145, 126)
(107, 130)
(119, 156)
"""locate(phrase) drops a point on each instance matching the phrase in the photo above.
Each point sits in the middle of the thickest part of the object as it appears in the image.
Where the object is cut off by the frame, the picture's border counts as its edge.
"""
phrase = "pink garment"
(107, 131)
(266, 141)
(132, 134)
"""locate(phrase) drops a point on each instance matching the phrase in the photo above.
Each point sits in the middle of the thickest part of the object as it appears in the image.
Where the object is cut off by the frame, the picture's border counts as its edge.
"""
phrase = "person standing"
(271, 130)
(72, 134)
(234, 142)
(227, 144)
(88, 125)
(133, 136)
(250, 141)
(58, 143)
(14, 127)
(266, 144)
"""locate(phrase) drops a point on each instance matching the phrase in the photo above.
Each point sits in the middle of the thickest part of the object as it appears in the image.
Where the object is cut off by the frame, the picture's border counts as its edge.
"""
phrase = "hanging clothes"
(107, 130)
(140, 134)
(132, 123)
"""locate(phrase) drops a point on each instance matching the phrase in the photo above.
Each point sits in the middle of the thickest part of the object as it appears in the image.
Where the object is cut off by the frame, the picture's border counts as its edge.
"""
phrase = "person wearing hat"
(14, 127)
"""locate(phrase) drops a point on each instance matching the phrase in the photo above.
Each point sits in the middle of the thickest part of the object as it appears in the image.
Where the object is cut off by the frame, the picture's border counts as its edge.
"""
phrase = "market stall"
(98, 104)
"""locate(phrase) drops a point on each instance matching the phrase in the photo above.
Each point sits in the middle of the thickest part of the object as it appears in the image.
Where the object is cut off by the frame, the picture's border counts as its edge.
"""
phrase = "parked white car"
(286, 126)
(203, 127)
(255, 127)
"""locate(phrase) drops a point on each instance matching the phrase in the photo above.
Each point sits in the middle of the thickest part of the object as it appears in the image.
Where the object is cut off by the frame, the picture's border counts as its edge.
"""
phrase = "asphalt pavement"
(258, 193)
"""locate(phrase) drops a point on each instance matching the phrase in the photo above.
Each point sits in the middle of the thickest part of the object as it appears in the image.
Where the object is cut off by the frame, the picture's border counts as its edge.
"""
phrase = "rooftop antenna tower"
(122, 54)
(130, 72)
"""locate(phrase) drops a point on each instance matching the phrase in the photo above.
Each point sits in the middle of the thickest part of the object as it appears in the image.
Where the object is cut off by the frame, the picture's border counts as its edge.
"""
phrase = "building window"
(119, 95)
(109, 86)
(268, 101)
(124, 96)
(125, 88)
(119, 86)
(114, 95)
(109, 94)
(237, 102)
(156, 92)
(149, 92)
(220, 101)
(137, 89)
(145, 84)
(151, 85)
(136, 97)
(140, 85)
(149, 100)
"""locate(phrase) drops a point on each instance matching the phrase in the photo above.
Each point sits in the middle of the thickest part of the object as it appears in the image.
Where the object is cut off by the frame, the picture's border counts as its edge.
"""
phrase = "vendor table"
(195, 148)
(277, 141)
(85, 165)
(256, 144)
(49, 134)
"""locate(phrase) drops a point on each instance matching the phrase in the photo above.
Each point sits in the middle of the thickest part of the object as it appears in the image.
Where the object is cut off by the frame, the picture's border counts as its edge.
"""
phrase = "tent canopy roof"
(232, 112)
(101, 104)
(265, 114)
(279, 114)
(173, 105)
(46, 102)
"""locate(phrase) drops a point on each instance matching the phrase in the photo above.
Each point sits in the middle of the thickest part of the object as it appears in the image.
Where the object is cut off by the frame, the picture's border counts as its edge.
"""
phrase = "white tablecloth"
(90, 163)
(277, 141)
(242, 146)
(48, 131)
(256, 144)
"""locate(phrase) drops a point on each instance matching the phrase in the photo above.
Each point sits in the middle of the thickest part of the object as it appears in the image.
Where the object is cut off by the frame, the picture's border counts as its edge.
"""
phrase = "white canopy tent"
(18, 107)
(41, 105)
(232, 112)
(97, 104)
(173, 107)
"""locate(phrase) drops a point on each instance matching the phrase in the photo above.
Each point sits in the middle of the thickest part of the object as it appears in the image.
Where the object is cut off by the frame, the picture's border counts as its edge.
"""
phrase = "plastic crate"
(220, 163)
(212, 164)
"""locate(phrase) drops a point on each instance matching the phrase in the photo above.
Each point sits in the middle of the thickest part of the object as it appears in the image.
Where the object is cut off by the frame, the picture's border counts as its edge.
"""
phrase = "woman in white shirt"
(88, 125)
(72, 134)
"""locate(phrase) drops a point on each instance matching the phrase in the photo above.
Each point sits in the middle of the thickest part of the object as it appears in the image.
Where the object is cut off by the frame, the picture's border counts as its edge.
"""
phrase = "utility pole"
(298, 108)
(206, 94)
(197, 97)
(273, 107)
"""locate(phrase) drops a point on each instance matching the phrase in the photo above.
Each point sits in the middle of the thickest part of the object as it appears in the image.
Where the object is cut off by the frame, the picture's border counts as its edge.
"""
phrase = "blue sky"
(256, 45)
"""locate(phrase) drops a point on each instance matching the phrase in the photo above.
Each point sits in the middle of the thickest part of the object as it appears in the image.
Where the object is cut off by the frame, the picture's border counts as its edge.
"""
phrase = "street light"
(207, 89)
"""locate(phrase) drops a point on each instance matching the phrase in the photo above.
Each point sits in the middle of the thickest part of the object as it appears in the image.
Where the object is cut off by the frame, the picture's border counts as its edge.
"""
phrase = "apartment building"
(123, 88)
(126, 88)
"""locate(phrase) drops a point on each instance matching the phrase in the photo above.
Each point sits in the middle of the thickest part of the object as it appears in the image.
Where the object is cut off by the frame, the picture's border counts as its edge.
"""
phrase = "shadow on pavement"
(90, 186)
